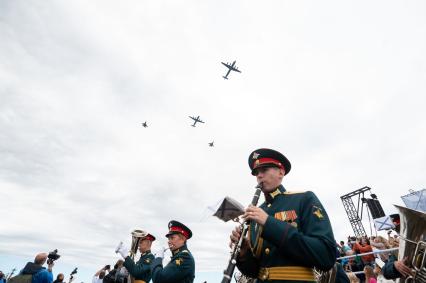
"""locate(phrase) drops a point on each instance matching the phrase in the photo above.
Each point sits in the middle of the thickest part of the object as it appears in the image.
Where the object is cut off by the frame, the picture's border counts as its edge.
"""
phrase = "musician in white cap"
(140, 270)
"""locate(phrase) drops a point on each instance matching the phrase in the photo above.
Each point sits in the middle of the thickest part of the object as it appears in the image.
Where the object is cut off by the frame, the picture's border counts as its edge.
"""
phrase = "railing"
(369, 253)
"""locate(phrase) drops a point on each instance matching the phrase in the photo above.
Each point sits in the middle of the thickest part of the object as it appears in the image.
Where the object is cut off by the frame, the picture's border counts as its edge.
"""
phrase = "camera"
(53, 256)
(73, 272)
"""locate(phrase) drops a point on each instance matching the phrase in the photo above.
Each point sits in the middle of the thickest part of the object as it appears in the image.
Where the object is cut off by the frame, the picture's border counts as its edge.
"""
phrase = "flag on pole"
(384, 223)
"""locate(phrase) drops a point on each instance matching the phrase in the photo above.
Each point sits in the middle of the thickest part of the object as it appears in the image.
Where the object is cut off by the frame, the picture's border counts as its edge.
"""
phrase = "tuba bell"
(412, 243)
(137, 235)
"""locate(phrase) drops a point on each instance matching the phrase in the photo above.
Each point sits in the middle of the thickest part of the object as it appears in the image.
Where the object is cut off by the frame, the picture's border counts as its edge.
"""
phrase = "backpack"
(21, 278)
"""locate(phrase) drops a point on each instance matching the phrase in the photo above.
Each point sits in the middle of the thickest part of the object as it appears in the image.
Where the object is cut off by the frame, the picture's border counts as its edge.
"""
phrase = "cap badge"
(255, 155)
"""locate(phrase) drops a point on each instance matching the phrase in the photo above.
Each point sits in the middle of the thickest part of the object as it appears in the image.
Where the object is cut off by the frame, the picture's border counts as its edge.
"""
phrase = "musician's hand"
(235, 236)
(159, 252)
(402, 268)
(256, 214)
(122, 250)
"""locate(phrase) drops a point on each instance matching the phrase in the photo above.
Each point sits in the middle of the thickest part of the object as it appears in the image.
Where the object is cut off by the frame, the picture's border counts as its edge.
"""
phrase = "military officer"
(181, 268)
(140, 270)
(289, 233)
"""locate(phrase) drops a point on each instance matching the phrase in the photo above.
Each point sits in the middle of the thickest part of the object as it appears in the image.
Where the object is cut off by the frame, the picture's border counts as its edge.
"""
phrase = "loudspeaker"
(375, 208)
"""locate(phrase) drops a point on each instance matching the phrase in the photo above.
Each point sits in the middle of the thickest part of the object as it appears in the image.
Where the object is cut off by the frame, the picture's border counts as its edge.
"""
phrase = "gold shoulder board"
(294, 192)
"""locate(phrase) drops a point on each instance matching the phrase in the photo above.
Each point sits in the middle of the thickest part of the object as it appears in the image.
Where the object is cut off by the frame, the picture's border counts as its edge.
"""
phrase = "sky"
(337, 86)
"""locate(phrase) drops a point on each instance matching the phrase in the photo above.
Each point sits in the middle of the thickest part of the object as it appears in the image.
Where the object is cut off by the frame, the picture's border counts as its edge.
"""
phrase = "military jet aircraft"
(144, 124)
(196, 119)
(211, 144)
(231, 67)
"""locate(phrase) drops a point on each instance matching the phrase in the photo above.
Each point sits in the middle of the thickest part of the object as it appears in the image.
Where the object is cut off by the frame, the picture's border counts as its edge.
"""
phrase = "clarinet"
(227, 274)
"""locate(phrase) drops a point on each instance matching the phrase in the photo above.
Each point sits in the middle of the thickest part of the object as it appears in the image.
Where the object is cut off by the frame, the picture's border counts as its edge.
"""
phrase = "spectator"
(38, 272)
(2, 277)
(378, 272)
(343, 252)
(351, 261)
(356, 264)
(364, 247)
(370, 277)
(59, 278)
(352, 278)
(380, 243)
(393, 241)
(351, 242)
(114, 276)
(344, 247)
(123, 274)
(99, 275)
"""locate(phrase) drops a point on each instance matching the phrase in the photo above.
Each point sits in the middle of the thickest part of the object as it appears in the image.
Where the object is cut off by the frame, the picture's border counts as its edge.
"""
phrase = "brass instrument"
(227, 274)
(412, 243)
(137, 235)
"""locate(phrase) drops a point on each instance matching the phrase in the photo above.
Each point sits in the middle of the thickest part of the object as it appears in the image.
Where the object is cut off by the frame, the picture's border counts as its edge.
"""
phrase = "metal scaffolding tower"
(352, 212)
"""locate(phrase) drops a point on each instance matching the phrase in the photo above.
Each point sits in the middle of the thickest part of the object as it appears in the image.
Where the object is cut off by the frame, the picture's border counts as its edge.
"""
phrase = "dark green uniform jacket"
(180, 269)
(140, 270)
(297, 234)
(389, 271)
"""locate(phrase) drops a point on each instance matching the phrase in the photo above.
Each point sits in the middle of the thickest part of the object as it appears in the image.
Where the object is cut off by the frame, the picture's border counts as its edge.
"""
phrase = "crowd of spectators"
(361, 267)
(35, 272)
(118, 274)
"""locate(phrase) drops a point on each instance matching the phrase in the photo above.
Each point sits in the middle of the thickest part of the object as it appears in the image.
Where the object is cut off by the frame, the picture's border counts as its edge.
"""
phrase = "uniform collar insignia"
(179, 250)
(255, 155)
(277, 191)
(145, 253)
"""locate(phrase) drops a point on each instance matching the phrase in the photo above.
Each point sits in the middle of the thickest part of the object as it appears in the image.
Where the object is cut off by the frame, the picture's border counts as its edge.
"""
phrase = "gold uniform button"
(267, 251)
(269, 205)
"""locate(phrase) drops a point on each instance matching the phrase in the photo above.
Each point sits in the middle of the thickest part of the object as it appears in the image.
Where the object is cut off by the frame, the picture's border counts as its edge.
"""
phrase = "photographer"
(2, 277)
(100, 274)
(38, 272)
(59, 278)
(114, 276)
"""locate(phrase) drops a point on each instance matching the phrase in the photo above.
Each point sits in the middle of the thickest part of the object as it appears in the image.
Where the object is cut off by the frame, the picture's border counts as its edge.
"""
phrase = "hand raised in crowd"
(256, 214)
(402, 268)
(235, 236)
(50, 265)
